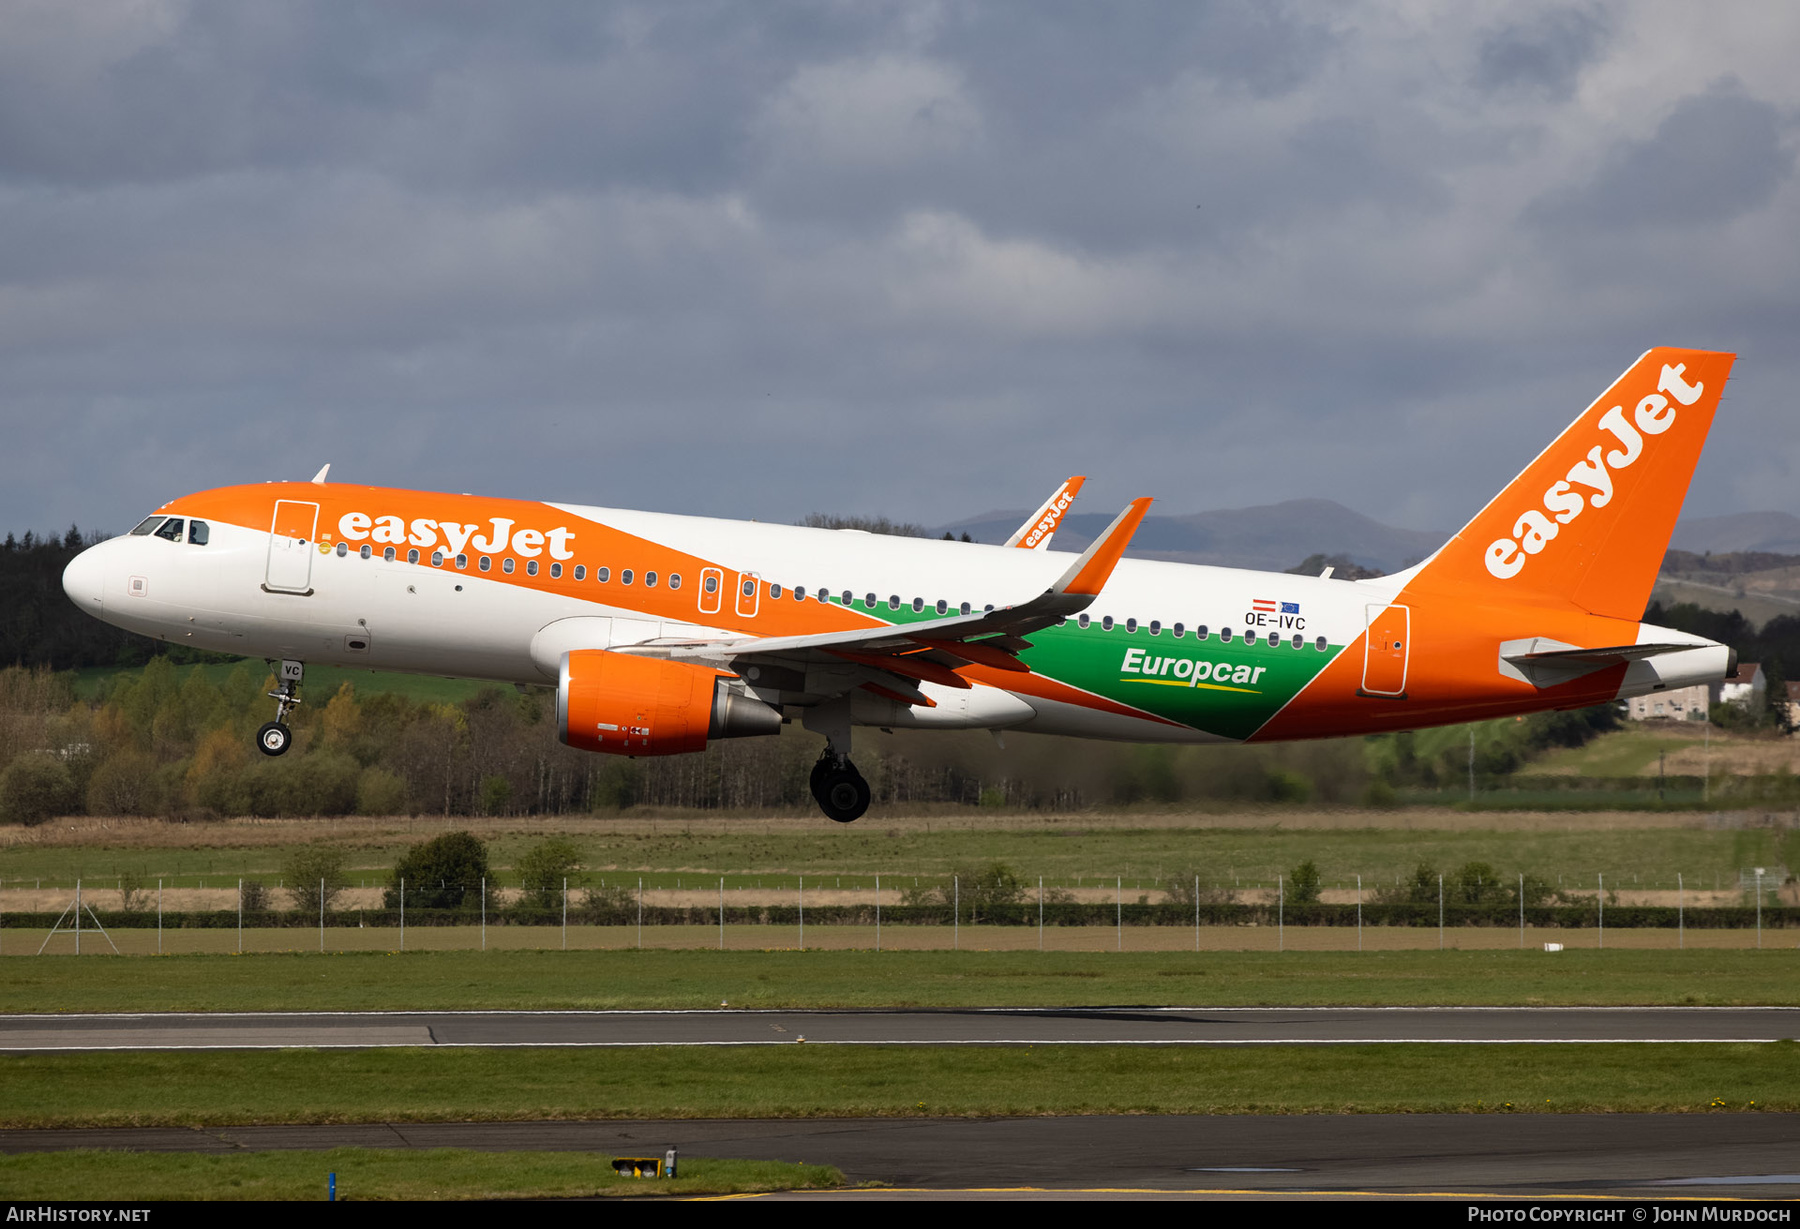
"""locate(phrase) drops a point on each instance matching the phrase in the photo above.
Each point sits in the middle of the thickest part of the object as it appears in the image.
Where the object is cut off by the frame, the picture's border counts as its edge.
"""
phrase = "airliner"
(662, 632)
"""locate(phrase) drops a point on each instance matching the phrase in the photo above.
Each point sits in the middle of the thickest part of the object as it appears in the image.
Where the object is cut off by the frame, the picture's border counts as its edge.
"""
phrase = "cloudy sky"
(917, 260)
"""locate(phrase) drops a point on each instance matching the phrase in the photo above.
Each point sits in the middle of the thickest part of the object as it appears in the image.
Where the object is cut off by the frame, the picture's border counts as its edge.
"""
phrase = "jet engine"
(627, 705)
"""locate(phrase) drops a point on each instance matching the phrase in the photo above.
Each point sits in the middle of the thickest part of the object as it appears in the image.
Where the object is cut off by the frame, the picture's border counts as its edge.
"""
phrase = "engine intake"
(622, 704)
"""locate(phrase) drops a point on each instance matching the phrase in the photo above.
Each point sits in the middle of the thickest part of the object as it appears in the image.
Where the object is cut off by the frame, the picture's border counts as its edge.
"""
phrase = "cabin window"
(869, 601)
(1319, 644)
(1200, 632)
(1083, 620)
(1131, 625)
(602, 575)
(581, 571)
(437, 558)
(506, 565)
(963, 609)
(649, 580)
(531, 567)
(389, 554)
(749, 589)
(1106, 624)
(1299, 640)
(1155, 627)
(847, 598)
(625, 576)
(171, 530)
(674, 580)
(412, 556)
(943, 607)
(799, 593)
(342, 550)
(364, 550)
(1250, 636)
(918, 604)
(1179, 631)
(462, 561)
(198, 532)
(774, 591)
(555, 570)
(711, 584)
(484, 563)
(1225, 634)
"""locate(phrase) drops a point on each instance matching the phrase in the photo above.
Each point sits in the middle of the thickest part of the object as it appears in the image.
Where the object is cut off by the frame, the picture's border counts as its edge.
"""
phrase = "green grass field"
(1067, 853)
(407, 1085)
(378, 1173)
(369, 981)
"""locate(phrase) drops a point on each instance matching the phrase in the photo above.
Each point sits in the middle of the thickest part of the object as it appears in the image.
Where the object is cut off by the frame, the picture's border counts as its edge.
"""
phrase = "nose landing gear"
(839, 789)
(275, 737)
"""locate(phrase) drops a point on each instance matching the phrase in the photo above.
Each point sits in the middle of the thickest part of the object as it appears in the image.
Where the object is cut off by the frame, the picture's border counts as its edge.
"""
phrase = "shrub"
(35, 788)
(442, 873)
(312, 870)
(379, 792)
(255, 896)
(1303, 884)
(545, 867)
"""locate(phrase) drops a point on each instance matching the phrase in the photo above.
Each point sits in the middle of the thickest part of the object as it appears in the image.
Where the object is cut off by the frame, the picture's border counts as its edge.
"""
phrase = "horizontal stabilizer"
(1543, 662)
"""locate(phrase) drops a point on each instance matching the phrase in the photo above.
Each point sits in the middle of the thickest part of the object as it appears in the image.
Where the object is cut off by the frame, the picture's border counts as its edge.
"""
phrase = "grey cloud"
(1717, 156)
(1545, 54)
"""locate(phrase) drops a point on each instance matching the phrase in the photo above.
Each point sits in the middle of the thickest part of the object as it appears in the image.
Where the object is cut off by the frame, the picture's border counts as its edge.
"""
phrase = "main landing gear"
(275, 737)
(840, 790)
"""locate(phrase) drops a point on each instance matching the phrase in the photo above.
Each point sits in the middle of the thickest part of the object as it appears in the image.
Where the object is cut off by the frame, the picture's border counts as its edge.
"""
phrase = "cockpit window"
(146, 525)
(171, 529)
(198, 532)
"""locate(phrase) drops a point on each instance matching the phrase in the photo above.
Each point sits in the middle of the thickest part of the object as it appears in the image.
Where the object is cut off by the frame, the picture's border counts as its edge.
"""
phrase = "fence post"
(565, 924)
(1440, 913)
(878, 912)
(78, 916)
(484, 913)
(403, 913)
(1680, 913)
(321, 915)
(1196, 913)
(1759, 871)
(956, 913)
(1280, 914)
(640, 913)
(1600, 897)
(159, 917)
(240, 916)
(1119, 911)
(1040, 913)
(1521, 910)
(1359, 913)
(802, 882)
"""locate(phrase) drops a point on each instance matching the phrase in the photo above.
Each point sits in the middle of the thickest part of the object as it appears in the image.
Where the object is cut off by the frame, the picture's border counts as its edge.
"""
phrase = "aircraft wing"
(933, 650)
(1040, 526)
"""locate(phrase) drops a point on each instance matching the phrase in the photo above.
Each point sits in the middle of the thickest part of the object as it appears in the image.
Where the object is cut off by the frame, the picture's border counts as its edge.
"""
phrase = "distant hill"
(1270, 537)
(1769, 532)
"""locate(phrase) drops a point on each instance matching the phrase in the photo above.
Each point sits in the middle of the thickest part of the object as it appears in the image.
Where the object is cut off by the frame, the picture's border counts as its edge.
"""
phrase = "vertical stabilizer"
(1589, 520)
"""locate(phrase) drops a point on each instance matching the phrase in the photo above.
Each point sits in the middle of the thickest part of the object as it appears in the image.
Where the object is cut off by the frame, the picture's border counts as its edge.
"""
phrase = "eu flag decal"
(1290, 608)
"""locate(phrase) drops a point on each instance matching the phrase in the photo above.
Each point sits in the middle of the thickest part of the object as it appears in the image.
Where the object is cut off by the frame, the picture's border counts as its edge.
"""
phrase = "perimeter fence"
(946, 914)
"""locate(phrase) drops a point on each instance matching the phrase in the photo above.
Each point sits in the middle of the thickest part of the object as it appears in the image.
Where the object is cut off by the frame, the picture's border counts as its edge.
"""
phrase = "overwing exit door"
(291, 547)
(1385, 651)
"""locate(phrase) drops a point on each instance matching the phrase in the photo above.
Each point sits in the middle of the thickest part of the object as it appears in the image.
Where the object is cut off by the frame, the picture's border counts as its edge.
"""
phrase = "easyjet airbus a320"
(660, 632)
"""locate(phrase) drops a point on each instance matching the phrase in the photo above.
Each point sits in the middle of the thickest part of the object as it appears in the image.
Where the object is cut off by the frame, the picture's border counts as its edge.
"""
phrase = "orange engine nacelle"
(626, 705)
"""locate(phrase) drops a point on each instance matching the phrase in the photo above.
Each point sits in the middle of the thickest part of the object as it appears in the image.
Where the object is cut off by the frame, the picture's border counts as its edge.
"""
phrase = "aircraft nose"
(84, 580)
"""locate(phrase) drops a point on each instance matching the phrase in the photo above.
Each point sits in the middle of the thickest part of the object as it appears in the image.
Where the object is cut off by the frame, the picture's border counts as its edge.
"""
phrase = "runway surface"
(1710, 1156)
(1037, 1026)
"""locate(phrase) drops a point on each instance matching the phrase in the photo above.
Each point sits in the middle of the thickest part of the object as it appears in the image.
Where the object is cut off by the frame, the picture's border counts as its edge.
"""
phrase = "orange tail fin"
(1589, 520)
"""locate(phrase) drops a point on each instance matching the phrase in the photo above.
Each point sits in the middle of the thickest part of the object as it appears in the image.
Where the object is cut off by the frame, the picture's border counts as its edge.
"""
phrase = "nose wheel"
(839, 789)
(275, 737)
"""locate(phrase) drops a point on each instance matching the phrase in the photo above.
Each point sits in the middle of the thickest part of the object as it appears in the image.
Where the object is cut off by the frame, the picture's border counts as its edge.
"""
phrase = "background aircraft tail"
(1589, 520)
